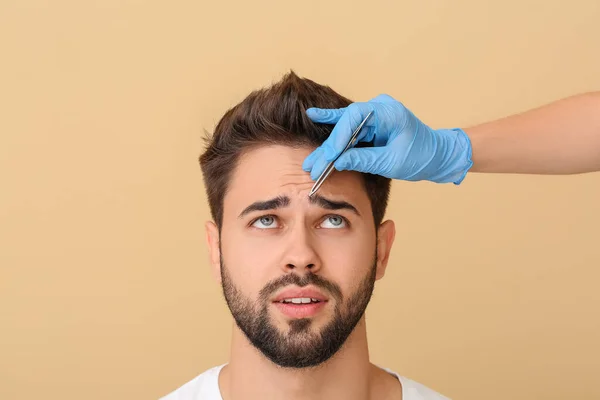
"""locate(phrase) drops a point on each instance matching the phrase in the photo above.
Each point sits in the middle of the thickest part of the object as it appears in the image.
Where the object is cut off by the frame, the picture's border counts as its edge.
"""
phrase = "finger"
(384, 98)
(325, 115)
(309, 161)
(342, 131)
(371, 160)
(318, 167)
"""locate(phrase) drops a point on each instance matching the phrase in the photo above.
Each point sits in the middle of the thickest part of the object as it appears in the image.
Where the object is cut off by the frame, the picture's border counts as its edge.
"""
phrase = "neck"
(346, 375)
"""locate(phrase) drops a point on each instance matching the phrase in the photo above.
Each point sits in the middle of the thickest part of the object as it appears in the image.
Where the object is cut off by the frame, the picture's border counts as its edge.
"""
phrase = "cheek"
(348, 261)
(250, 261)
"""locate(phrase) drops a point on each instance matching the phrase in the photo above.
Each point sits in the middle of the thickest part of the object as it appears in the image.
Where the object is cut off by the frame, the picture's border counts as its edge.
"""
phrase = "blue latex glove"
(404, 147)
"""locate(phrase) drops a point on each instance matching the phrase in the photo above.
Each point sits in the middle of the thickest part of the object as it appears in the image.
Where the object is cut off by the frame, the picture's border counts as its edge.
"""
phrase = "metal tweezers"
(330, 167)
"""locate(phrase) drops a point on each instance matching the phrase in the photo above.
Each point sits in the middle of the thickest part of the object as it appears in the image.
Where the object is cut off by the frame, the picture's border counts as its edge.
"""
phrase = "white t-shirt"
(206, 387)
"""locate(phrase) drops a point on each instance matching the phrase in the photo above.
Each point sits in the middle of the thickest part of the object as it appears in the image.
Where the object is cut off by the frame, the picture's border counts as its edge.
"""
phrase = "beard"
(301, 346)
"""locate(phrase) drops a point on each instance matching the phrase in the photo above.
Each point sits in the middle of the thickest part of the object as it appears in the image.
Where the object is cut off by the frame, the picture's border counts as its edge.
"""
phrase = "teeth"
(300, 300)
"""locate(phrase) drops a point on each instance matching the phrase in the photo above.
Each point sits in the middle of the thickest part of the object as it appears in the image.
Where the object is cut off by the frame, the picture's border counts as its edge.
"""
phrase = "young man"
(297, 272)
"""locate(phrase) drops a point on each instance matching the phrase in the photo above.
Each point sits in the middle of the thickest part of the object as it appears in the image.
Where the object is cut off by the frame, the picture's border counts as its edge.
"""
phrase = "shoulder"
(412, 390)
(204, 386)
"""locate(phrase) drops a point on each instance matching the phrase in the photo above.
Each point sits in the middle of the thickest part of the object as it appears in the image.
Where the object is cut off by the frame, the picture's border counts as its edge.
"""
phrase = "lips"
(299, 296)
(297, 303)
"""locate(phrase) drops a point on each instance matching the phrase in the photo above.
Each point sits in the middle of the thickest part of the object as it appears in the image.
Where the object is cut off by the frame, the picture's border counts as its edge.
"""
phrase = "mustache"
(301, 281)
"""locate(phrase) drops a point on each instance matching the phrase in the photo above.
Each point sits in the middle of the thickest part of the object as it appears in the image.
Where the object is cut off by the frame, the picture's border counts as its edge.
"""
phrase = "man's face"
(297, 272)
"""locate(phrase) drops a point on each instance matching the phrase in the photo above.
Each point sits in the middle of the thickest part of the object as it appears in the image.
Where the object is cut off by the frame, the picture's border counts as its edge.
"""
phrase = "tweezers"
(330, 167)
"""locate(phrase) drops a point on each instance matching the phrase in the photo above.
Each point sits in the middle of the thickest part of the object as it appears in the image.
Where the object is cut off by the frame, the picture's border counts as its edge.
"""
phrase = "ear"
(385, 239)
(214, 252)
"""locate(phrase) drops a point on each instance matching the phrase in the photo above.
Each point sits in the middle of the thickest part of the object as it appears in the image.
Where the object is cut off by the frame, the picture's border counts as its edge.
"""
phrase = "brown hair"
(275, 115)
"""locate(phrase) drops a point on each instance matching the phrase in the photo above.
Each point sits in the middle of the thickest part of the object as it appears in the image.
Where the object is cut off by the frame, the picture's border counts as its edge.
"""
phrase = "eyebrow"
(273, 204)
(284, 201)
(332, 205)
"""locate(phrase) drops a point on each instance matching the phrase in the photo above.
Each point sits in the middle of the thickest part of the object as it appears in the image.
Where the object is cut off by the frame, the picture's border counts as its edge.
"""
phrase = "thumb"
(325, 115)
(370, 160)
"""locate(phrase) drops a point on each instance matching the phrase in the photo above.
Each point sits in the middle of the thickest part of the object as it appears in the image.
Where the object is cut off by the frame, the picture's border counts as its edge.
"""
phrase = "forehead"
(269, 171)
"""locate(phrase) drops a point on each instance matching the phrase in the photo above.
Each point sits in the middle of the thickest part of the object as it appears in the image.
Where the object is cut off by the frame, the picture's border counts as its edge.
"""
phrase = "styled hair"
(276, 116)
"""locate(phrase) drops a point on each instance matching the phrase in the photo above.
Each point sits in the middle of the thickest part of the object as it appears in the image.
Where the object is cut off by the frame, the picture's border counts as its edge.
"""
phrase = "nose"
(301, 255)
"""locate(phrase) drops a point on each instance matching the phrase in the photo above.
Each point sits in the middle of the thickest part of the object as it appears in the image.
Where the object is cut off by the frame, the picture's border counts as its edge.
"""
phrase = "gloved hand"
(404, 147)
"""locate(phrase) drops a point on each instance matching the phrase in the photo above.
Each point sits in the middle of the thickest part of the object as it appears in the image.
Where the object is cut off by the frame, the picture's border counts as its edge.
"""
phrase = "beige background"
(492, 292)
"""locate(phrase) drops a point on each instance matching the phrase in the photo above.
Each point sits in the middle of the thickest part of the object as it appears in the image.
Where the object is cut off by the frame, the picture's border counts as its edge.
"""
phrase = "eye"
(334, 222)
(265, 222)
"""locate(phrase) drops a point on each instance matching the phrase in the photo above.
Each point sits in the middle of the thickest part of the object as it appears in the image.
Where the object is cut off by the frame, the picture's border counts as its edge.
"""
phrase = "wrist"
(456, 151)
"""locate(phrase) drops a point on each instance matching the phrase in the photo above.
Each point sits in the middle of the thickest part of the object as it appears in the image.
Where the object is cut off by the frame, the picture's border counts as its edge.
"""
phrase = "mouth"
(299, 300)
(300, 303)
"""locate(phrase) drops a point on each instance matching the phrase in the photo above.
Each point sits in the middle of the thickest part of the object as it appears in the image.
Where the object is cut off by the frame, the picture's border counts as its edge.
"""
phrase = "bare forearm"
(558, 138)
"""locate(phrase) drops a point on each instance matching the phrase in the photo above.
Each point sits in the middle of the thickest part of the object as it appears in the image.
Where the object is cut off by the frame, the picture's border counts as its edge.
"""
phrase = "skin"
(559, 138)
(302, 238)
